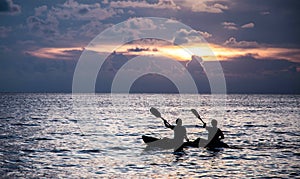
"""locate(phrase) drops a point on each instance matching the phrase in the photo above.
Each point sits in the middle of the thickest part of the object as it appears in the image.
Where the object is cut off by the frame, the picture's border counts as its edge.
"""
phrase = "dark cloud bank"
(243, 75)
(8, 7)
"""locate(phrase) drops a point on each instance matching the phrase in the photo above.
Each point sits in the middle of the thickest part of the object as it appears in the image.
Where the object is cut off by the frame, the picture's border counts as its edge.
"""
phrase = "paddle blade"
(155, 112)
(195, 113)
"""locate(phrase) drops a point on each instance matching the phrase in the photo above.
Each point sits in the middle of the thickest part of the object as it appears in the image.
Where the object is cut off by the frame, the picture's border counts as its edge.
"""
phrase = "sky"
(257, 42)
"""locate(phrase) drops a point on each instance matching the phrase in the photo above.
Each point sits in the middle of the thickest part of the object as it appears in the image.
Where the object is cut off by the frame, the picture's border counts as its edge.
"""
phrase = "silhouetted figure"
(215, 135)
(179, 134)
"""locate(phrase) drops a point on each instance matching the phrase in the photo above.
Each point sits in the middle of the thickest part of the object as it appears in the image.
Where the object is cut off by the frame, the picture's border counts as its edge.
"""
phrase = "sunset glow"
(177, 52)
(54, 53)
(225, 53)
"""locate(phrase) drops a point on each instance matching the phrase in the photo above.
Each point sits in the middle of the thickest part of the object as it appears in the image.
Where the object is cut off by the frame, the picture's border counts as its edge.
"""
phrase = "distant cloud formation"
(8, 7)
(184, 36)
(40, 10)
(265, 13)
(234, 26)
(207, 6)
(137, 49)
(248, 26)
(250, 75)
(160, 4)
(56, 53)
(230, 25)
(73, 10)
(46, 23)
(47, 28)
(232, 42)
(140, 24)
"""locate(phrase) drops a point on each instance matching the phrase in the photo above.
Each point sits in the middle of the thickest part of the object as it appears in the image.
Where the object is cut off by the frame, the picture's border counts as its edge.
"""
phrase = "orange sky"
(178, 53)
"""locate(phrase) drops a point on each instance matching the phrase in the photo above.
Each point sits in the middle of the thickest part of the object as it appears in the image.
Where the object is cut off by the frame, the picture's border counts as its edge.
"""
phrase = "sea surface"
(99, 136)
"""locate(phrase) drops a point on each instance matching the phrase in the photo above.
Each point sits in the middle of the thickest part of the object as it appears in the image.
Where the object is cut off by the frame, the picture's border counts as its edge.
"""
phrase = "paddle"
(198, 116)
(156, 113)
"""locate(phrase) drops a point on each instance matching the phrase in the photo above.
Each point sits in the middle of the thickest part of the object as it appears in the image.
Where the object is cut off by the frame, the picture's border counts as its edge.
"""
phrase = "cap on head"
(214, 123)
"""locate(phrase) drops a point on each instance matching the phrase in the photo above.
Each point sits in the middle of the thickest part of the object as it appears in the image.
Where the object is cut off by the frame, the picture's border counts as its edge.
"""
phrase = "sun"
(175, 52)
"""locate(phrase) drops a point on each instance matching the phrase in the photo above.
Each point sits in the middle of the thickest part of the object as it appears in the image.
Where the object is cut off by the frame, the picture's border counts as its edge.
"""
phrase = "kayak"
(166, 143)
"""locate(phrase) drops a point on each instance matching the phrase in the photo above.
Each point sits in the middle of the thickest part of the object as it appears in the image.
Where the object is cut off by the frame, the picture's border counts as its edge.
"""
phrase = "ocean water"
(99, 136)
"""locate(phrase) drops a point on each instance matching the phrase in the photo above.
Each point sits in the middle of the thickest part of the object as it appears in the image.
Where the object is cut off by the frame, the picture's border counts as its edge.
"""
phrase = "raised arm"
(168, 125)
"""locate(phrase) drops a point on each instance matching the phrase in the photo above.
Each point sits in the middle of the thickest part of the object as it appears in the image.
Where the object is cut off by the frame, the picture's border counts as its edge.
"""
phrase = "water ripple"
(86, 136)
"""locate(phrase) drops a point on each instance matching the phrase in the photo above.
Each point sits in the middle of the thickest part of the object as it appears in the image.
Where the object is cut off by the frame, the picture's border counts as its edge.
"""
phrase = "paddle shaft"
(198, 116)
(165, 120)
(201, 119)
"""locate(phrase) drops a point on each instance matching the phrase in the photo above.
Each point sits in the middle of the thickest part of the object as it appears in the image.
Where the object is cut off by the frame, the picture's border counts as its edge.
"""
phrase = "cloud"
(131, 12)
(232, 42)
(90, 29)
(69, 53)
(265, 13)
(167, 4)
(150, 41)
(105, 2)
(234, 26)
(235, 49)
(206, 6)
(230, 25)
(84, 20)
(248, 26)
(160, 4)
(43, 27)
(140, 24)
(185, 36)
(137, 49)
(246, 74)
(249, 75)
(133, 27)
(8, 7)
(4, 31)
(40, 10)
(74, 10)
